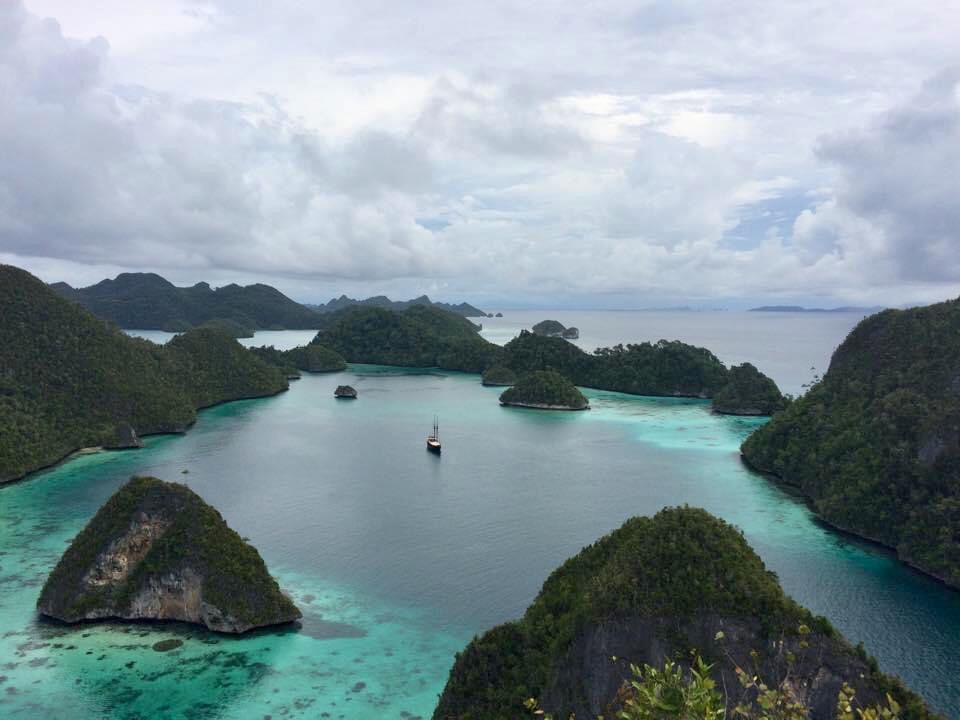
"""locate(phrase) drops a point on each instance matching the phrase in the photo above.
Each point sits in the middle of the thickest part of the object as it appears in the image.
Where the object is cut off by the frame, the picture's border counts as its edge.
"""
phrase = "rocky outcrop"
(345, 392)
(748, 392)
(875, 444)
(156, 551)
(571, 333)
(672, 587)
(544, 390)
(124, 437)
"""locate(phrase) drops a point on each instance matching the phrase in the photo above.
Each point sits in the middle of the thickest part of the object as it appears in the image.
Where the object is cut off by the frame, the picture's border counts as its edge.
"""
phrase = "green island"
(308, 358)
(554, 328)
(668, 589)
(544, 390)
(69, 380)
(343, 302)
(430, 337)
(875, 444)
(498, 376)
(748, 392)
(157, 551)
(146, 301)
(228, 327)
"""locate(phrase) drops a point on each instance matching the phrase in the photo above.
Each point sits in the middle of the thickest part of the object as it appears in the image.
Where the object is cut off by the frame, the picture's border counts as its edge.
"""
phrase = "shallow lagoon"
(398, 557)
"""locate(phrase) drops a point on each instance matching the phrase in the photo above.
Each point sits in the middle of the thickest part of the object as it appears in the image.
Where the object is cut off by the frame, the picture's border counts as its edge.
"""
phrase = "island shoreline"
(874, 543)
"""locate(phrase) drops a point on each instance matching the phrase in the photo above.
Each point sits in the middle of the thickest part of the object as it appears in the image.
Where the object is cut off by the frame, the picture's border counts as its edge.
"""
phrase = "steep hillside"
(146, 301)
(653, 591)
(875, 445)
(70, 380)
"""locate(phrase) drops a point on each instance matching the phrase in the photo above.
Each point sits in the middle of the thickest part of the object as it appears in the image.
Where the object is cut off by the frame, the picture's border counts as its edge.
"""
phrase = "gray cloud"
(528, 150)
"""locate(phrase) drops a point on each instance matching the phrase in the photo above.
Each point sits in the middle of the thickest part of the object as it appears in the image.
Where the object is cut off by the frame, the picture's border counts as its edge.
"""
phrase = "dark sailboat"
(433, 441)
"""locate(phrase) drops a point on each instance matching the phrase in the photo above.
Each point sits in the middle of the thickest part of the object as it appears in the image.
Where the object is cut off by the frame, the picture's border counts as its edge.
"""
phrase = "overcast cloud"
(597, 154)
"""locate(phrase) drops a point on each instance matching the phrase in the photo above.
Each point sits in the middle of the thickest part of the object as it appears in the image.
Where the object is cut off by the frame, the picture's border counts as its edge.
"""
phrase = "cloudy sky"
(537, 152)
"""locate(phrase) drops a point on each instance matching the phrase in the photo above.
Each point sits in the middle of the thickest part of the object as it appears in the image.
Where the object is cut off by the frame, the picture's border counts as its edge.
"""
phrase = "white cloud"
(530, 150)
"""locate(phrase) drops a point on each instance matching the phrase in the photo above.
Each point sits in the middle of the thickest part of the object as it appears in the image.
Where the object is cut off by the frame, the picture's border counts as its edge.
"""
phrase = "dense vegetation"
(748, 392)
(420, 336)
(343, 302)
(146, 301)
(498, 375)
(234, 576)
(68, 380)
(429, 337)
(548, 327)
(661, 368)
(227, 327)
(311, 358)
(544, 388)
(681, 569)
(875, 445)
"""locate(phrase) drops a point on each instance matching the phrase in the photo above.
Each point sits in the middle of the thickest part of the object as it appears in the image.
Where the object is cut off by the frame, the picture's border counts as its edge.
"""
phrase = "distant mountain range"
(146, 301)
(799, 309)
(464, 309)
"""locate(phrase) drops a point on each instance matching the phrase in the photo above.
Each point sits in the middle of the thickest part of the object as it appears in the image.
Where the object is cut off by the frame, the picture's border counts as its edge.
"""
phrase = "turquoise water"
(398, 557)
(789, 347)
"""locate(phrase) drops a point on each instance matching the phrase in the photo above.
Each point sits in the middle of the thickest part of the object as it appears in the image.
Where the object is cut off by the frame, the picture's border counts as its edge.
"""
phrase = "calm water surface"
(789, 347)
(398, 557)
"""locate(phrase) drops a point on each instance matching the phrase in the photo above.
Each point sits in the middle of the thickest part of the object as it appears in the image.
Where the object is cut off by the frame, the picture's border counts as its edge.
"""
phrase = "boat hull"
(433, 447)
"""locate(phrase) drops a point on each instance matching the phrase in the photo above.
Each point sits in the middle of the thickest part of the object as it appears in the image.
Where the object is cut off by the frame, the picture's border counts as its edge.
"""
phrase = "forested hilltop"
(343, 302)
(430, 337)
(657, 591)
(146, 301)
(69, 380)
(875, 445)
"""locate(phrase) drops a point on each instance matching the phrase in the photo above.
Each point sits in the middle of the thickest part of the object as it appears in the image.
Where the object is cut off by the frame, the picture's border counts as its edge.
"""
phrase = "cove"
(398, 557)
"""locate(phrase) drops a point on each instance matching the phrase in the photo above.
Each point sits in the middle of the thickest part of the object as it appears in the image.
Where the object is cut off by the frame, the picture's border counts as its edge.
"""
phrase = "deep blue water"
(398, 557)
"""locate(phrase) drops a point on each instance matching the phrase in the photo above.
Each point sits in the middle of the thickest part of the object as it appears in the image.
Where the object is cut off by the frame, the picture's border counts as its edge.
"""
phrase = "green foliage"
(498, 376)
(235, 578)
(673, 693)
(544, 387)
(430, 337)
(672, 571)
(420, 336)
(669, 368)
(748, 392)
(232, 328)
(315, 358)
(875, 444)
(68, 380)
(146, 301)
(681, 563)
(548, 327)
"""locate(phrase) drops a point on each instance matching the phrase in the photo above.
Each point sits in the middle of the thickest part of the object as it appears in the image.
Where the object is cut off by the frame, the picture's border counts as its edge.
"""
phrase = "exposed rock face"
(587, 679)
(657, 589)
(156, 551)
(571, 333)
(124, 437)
(346, 392)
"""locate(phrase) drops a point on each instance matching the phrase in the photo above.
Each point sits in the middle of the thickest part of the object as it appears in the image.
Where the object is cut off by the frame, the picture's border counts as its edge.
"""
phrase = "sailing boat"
(433, 441)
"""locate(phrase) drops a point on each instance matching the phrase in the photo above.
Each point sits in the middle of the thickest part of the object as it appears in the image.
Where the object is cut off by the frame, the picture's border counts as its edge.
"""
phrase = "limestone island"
(498, 377)
(664, 592)
(553, 328)
(345, 392)
(545, 390)
(157, 551)
(748, 392)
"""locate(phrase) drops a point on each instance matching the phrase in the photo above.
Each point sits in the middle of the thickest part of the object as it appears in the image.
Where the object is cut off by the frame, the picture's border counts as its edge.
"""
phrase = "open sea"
(397, 557)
